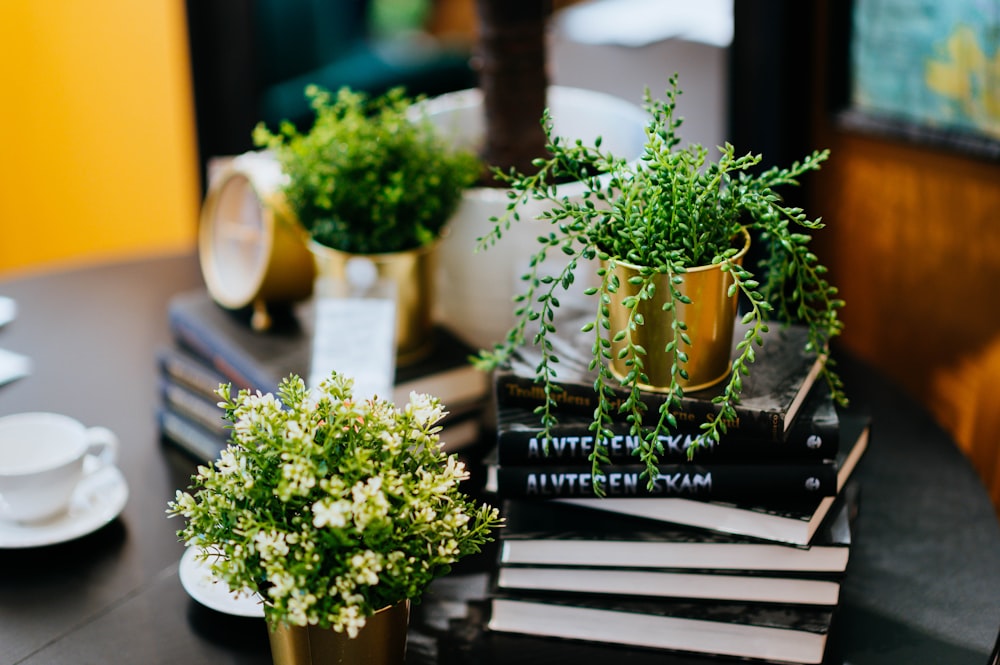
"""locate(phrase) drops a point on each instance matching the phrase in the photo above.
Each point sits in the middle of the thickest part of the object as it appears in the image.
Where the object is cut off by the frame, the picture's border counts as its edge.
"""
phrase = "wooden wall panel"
(913, 238)
(913, 241)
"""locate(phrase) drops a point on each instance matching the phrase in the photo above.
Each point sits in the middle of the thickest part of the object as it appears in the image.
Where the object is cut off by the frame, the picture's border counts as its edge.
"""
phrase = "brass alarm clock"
(252, 251)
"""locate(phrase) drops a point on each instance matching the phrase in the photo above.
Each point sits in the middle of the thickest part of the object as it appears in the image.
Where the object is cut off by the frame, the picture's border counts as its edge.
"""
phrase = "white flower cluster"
(331, 508)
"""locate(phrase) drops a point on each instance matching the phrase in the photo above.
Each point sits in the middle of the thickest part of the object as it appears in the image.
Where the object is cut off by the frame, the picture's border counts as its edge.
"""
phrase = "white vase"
(476, 290)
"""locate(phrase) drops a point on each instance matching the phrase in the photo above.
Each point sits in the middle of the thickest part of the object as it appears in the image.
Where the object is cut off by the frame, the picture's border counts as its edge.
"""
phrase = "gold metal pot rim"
(708, 266)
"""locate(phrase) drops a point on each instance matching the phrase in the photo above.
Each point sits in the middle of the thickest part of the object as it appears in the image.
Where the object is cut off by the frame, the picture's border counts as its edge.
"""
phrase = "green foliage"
(370, 176)
(329, 507)
(671, 210)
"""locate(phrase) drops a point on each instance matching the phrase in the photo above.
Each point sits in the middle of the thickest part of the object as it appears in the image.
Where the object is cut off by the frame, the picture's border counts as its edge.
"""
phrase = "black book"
(813, 436)
(181, 367)
(763, 632)
(191, 422)
(190, 437)
(552, 534)
(772, 394)
(778, 481)
(792, 522)
(768, 480)
(532, 650)
(228, 346)
(741, 586)
(197, 407)
(560, 549)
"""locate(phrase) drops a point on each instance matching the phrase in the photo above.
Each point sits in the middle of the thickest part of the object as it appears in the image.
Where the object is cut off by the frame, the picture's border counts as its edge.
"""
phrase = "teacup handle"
(102, 445)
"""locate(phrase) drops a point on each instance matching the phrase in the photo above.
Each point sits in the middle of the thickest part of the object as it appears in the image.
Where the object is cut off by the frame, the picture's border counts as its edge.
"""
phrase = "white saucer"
(198, 581)
(98, 499)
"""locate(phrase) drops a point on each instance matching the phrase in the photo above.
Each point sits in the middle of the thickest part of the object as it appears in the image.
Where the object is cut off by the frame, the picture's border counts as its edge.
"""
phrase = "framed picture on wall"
(925, 71)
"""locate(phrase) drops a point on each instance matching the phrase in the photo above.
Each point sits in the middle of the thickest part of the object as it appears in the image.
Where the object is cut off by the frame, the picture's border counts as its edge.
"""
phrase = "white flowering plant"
(331, 508)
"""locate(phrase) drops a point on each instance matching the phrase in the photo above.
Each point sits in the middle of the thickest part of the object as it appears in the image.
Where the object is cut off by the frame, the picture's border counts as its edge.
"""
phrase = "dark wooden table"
(923, 585)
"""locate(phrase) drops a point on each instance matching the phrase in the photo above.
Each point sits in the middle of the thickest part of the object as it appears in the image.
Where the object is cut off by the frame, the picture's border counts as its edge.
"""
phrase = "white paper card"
(13, 366)
(356, 337)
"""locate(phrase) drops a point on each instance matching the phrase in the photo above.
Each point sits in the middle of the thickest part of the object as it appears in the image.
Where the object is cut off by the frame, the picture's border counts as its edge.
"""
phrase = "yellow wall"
(97, 155)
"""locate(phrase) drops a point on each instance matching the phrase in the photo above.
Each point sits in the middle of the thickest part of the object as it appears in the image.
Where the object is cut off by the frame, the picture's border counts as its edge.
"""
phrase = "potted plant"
(665, 237)
(330, 508)
(476, 290)
(372, 177)
(499, 120)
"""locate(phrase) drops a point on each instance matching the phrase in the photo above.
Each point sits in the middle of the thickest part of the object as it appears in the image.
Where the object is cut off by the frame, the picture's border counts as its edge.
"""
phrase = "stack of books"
(738, 553)
(212, 345)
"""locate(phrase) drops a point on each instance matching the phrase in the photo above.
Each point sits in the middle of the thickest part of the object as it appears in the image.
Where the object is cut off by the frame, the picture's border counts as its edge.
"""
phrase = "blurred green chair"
(331, 43)
(252, 59)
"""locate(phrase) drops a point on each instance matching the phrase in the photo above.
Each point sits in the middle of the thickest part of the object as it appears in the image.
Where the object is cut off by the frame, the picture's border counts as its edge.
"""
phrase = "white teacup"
(42, 461)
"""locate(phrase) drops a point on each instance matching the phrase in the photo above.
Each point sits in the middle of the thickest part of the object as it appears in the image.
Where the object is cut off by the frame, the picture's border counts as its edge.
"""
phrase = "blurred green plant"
(371, 175)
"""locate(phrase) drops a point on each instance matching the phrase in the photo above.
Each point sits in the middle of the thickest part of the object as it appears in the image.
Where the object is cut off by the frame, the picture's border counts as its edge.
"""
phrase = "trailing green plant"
(370, 175)
(671, 210)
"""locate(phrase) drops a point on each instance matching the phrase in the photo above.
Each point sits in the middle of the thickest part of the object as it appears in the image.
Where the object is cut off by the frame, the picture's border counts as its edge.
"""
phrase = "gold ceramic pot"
(410, 274)
(382, 641)
(710, 318)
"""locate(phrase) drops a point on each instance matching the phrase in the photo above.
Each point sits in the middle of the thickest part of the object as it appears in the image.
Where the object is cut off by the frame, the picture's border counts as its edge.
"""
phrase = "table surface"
(923, 584)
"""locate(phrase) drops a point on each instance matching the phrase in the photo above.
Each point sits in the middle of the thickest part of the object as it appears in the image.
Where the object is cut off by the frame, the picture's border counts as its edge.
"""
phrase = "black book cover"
(735, 585)
(770, 633)
(194, 406)
(259, 360)
(190, 437)
(193, 423)
(779, 481)
(772, 394)
(813, 436)
(556, 534)
(182, 369)
(494, 648)
(793, 522)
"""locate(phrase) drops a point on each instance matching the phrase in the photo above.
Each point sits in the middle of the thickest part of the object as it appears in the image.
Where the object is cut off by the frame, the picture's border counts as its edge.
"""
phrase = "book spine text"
(573, 443)
(734, 482)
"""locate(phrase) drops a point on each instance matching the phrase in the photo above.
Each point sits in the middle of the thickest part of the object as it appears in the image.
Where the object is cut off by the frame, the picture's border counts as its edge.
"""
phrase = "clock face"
(251, 248)
(235, 242)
